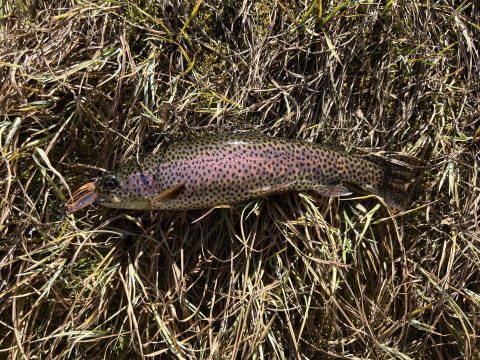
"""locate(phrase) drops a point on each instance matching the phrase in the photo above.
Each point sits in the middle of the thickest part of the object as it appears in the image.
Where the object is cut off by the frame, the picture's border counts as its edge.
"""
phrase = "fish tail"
(395, 180)
(393, 193)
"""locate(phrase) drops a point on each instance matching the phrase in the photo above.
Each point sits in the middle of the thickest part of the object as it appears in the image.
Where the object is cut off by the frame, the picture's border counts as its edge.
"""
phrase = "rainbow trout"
(227, 169)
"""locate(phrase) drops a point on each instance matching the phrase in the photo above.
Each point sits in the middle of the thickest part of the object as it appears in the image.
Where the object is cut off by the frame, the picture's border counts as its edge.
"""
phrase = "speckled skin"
(227, 169)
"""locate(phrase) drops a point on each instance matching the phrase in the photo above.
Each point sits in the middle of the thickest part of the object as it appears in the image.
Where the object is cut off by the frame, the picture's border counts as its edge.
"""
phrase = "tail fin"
(398, 175)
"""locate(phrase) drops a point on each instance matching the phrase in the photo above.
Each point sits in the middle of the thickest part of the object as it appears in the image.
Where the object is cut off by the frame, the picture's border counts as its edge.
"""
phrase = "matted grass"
(88, 85)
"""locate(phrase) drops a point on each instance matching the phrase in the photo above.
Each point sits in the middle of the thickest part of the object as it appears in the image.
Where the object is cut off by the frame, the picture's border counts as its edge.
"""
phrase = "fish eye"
(110, 182)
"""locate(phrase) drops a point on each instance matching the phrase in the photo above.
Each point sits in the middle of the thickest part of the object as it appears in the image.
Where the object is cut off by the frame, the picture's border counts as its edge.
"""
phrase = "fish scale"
(228, 169)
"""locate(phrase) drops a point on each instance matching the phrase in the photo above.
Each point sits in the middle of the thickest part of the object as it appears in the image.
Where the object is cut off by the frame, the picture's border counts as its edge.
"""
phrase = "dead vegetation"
(87, 85)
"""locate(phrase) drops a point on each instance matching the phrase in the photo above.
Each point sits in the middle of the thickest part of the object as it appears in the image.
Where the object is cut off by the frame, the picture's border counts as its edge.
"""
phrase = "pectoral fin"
(332, 190)
(167, 194)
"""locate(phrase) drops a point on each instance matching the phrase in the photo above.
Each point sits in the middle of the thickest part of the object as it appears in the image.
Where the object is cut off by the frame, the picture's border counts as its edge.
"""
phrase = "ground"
(89, 85)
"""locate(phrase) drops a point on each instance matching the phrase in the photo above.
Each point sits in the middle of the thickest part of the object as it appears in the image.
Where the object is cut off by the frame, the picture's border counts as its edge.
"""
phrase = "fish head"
(105, 190)
(121, 190)
(109, 189)
(125, 189)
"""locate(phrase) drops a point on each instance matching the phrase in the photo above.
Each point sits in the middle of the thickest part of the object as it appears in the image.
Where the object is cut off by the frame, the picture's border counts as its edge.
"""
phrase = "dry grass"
(87, 85)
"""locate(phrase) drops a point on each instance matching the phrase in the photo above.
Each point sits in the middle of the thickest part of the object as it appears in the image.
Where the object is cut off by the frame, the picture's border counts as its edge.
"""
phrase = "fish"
(227, 169)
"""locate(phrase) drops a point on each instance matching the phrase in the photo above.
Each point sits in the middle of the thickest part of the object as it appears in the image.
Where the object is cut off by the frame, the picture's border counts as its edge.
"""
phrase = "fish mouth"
(107, 199)
(87, 194)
